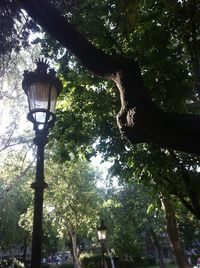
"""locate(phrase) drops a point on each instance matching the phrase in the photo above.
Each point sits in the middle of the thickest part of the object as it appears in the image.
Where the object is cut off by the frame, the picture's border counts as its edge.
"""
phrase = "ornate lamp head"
(42, 88)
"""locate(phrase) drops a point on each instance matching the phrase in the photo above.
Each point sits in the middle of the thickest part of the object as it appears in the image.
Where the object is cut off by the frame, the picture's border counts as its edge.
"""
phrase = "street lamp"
(101, 233)
(42, 88)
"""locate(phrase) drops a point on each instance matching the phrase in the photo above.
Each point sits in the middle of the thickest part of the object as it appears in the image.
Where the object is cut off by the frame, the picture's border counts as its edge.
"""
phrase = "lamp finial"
(42, 65)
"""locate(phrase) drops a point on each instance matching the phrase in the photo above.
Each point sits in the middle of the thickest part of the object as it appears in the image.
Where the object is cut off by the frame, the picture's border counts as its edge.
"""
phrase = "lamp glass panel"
(38, 98)
(101, 234)
(40, 117)
(54, 95)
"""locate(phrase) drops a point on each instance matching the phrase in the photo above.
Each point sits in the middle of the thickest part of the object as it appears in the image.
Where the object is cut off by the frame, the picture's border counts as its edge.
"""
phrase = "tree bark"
(111, 258)
(158, 248)
(77, 263)
(139, 120)
(173, 234)
(24, 251)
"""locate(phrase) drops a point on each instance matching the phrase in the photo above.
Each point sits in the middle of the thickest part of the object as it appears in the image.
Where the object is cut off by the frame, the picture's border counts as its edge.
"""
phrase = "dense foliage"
(163, 38)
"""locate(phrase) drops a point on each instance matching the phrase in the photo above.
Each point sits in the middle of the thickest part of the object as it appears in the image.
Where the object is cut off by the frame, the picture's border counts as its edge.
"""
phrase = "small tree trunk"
(111, 258)
(173, 234)
(77, 263)
(158, 248)
(24, 251)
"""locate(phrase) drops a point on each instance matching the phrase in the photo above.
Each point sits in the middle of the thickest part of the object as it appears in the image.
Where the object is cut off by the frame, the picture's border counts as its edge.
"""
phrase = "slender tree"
(73, 196)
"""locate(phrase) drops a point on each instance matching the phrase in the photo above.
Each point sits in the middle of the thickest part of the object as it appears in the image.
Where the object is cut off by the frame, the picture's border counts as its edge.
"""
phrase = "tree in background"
(74, 200)
(13, 203)
(131, 224)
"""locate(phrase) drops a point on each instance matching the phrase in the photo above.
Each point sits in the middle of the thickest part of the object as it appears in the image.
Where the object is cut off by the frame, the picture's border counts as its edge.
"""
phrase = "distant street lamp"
(101, 233)
(42, 90)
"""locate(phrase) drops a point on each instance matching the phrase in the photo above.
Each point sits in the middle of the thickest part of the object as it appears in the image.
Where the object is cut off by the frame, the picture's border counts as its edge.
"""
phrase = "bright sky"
(103, 167)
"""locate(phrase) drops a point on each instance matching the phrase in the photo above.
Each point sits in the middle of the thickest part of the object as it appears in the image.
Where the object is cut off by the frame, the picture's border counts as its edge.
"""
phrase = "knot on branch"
(130, 117)
(125, 118)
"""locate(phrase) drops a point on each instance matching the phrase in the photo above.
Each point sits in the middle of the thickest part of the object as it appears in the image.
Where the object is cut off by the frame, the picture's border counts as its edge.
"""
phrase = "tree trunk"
(158, 248)
(111, 258)
(24, 255)
(24, 250)
(77, 263)
(173, 234)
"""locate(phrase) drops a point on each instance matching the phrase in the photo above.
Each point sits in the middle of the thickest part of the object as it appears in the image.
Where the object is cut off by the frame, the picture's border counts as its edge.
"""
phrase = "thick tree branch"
(139, 119)
(64, 32)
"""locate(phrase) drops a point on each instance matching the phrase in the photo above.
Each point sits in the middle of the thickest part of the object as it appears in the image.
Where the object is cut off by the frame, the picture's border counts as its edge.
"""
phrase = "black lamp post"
(42, 89)
(101, 233)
